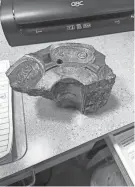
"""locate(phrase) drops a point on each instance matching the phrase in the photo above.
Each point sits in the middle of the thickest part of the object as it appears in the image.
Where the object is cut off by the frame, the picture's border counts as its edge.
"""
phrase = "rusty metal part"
(71, 74)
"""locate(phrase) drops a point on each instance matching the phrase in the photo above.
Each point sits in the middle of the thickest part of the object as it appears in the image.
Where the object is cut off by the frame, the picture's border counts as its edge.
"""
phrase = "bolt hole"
(59, 61)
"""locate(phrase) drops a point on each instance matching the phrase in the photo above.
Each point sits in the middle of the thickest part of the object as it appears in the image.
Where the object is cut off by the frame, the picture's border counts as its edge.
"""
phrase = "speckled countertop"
(52, 131)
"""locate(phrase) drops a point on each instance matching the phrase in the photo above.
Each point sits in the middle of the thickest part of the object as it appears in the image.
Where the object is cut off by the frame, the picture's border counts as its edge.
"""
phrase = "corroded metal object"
(72, 74)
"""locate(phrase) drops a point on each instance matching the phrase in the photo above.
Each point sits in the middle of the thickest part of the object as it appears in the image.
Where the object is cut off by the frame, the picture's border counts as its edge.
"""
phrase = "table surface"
(52, 131)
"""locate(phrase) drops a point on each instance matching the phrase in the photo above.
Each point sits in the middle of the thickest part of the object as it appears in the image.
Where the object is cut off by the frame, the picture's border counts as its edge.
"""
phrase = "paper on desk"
(124, 144)
(6, 125)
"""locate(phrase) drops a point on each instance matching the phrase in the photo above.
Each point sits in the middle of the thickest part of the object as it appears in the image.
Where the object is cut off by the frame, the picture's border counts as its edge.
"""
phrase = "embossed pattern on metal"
(71, 74)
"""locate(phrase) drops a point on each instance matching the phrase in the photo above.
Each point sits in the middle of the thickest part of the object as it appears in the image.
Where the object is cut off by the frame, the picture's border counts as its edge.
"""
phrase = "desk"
(55, 135)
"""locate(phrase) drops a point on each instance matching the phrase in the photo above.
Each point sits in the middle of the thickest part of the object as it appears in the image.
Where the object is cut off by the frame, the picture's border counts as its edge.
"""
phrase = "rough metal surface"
(71, 74)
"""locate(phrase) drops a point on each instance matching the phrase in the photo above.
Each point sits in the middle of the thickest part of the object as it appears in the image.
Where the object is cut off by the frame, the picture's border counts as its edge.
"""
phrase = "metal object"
(72, 74)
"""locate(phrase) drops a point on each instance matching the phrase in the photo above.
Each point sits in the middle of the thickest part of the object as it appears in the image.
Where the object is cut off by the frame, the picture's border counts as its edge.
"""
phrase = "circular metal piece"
(73, 52)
